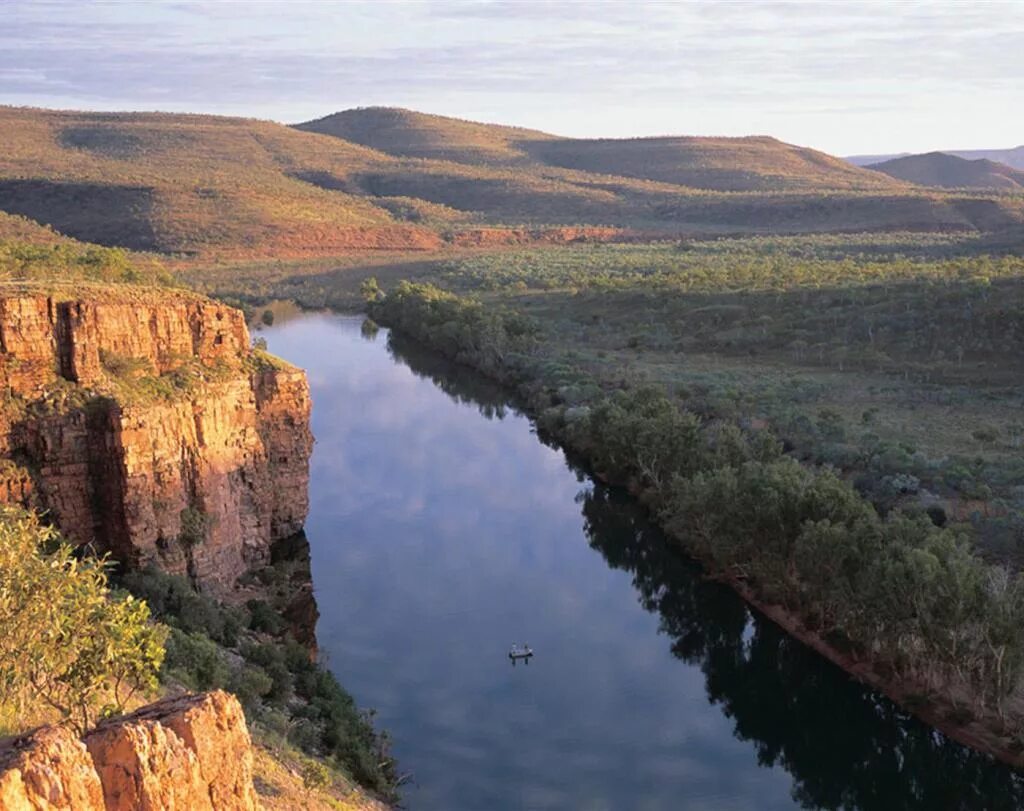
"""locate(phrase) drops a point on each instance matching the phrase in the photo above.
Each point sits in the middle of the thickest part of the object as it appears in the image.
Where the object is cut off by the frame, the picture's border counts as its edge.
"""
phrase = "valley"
(799, 374)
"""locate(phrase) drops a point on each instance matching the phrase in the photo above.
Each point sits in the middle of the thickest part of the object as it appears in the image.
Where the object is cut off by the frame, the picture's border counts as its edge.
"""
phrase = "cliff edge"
(144, 424)
(189, 752)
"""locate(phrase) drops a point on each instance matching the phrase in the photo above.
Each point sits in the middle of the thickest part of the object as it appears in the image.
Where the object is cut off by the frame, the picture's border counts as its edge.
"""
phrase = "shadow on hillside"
(110, 215)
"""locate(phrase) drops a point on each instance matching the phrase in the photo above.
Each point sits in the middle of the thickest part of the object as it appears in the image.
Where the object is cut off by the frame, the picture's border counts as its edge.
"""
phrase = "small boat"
(520, 652)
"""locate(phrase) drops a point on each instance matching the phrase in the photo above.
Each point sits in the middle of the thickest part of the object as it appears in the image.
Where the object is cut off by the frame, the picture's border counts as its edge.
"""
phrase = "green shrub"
(67, 641)
(250, 683)
(196, 661)
(195, 524)
(264, 618)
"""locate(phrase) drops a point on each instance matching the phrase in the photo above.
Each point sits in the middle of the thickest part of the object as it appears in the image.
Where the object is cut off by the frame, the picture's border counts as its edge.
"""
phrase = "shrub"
(67, 640)
(194, 526)
(196, 661)
(264, 618)
(250, 683)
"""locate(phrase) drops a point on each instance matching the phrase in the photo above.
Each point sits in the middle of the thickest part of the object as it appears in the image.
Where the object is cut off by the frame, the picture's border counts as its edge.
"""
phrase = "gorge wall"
(144, 424)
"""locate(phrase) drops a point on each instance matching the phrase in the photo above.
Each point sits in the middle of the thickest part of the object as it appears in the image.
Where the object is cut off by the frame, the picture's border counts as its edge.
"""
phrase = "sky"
(845, 77)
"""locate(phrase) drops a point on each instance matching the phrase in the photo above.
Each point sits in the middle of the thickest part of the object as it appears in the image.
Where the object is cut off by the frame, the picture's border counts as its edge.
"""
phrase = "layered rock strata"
(147, 427)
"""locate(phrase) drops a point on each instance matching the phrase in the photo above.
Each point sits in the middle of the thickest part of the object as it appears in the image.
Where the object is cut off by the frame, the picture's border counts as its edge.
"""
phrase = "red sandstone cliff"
(145, 425)
(192, 752)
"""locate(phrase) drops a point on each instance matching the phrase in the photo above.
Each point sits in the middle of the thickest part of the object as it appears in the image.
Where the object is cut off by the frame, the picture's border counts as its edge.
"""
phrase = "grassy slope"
(232, 188)
(177, 183)
(939, 169)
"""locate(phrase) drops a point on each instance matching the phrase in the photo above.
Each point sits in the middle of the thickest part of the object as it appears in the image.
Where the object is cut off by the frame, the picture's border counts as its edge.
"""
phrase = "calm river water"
(443, 531)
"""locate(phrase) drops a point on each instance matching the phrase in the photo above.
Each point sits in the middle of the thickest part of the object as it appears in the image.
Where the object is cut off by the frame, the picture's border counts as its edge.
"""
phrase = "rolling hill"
(939, 169)
(406, 133)
(200, 185)
(711, 164)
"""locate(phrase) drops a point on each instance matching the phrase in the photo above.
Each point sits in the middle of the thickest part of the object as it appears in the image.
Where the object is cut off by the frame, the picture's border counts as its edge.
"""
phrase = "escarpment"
(189, 752)
(144, 424)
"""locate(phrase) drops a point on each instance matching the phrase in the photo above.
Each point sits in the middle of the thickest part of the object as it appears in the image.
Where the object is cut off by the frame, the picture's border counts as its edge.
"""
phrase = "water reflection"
(439, 539)
(845, 746)
(460, 383)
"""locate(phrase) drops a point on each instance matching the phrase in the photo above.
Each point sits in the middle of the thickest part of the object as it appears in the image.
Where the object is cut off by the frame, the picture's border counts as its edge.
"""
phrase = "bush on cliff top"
(67, 641)
(71, 261)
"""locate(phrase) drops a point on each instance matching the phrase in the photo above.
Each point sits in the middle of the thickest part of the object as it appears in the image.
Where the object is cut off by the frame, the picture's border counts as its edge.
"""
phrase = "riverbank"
(499, 347)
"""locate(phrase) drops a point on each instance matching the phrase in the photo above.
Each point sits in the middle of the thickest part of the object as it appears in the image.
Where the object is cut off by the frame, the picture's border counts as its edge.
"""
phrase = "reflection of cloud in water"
(451, 537)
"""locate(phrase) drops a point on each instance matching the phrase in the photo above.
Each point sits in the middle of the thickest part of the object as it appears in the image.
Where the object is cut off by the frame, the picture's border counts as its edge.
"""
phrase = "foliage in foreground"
(897, 590)
(66, 640)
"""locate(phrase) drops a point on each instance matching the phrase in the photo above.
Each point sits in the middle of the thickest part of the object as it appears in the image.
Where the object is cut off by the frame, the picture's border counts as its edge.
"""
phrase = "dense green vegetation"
(894, 358)
(250, 652)
(889, 585)
(69, 261)
(754, 264)
(68, 643)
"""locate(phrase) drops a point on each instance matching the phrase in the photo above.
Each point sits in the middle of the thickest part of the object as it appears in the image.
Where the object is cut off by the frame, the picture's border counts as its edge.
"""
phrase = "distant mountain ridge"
(950, 171)
(1013, 157)
(390, 179)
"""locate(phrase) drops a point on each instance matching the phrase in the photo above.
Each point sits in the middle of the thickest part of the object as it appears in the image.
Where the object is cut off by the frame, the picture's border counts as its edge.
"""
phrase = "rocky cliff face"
(145, 425)
(192, 752)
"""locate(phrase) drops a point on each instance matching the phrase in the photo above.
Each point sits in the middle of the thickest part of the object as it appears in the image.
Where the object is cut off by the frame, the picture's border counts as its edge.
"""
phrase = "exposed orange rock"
(191, 752)
(234, 448)
(43, 338)
(48, 769)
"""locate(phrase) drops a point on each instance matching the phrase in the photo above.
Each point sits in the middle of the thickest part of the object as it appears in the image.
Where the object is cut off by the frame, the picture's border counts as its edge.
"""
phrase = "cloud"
(561, 66)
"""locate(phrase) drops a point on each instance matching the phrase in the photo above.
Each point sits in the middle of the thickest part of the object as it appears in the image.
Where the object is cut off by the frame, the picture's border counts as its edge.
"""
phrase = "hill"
(211, 186)
(183, 183)
(717, 164)
(406, 133)
(939, 169)
(1013, 158)
(714, 164)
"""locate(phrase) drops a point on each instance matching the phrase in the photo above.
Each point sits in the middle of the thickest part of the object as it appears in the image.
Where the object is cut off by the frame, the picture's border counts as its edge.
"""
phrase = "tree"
(370, 290)
(67, 640)
(315, 775)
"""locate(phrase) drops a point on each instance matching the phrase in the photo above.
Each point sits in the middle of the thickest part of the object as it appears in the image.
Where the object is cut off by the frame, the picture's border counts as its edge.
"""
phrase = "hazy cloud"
(845, 76)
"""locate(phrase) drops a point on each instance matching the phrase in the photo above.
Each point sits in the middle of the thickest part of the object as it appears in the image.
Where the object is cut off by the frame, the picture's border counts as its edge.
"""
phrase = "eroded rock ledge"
(144, 424)
(191, 752)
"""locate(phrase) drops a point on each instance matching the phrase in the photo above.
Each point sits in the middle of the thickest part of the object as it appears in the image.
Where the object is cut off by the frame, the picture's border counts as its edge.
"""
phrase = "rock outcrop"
(48, 770)
(145, 425)
(191, 752)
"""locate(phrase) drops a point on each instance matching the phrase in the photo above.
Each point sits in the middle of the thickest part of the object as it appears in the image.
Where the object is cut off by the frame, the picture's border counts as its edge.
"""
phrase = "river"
(442, 531)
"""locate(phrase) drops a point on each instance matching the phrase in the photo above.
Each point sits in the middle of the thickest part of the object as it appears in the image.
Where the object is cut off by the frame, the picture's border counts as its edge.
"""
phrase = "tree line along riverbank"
(896, 599)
